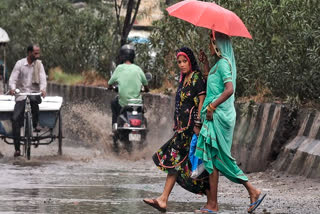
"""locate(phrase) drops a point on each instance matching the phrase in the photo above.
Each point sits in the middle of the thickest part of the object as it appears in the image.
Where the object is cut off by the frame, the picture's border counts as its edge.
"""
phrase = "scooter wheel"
(128, 146)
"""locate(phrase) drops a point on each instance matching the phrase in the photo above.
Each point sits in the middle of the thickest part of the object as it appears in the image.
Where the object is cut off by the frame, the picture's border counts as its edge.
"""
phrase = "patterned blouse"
(187, 101)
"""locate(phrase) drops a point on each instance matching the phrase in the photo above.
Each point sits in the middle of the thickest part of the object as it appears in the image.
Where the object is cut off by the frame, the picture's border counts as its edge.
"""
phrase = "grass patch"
(58, 76)
(89, 78)
(94, 79)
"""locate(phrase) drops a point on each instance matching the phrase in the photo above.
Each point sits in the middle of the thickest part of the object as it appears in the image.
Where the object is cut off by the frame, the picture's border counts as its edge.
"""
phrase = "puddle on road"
(72, 187)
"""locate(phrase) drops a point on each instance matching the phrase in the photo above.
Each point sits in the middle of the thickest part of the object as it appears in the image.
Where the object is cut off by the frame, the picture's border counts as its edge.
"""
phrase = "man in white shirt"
(28, 75)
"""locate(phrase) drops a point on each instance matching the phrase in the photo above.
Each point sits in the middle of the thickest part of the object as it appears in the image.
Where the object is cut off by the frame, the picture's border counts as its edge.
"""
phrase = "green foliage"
(74, 39)
(68, 79)
(284, 55)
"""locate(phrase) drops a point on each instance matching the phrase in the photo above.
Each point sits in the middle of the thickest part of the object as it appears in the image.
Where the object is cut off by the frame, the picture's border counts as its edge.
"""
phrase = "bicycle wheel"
(28, 134)
(60, 135)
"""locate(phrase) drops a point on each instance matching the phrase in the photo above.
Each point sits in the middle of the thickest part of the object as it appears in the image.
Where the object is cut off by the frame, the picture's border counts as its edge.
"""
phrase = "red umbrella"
(209, 15)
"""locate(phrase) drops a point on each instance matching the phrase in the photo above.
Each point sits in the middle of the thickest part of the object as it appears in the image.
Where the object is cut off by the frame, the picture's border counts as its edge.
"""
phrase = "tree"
(75, 39)
(131, 14)
(124, 27)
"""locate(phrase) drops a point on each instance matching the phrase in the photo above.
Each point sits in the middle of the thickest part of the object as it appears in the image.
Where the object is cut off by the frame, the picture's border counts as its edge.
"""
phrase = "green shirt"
(129, 78)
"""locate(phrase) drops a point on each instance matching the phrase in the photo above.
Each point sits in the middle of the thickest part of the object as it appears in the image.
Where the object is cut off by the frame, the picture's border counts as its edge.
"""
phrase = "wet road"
(98, 186)
(78, 184)
(62, 187)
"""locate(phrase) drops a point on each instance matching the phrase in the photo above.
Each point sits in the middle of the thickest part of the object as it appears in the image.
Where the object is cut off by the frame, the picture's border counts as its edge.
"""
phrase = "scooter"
(131, 126)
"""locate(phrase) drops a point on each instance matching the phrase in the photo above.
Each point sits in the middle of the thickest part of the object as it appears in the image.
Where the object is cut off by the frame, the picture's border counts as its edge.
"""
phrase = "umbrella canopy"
(209, 15)
(4, 38)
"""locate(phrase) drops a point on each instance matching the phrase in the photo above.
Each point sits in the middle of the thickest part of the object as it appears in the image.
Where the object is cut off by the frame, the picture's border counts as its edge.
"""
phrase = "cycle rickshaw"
(49, 119)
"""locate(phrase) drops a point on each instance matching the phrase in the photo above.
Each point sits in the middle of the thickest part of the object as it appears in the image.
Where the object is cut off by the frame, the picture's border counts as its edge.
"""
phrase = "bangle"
(197, 122)
(210, 108)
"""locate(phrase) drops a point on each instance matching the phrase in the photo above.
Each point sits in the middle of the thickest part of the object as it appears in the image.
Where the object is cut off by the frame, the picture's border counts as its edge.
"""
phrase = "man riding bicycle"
(28, 75)
(129, 78)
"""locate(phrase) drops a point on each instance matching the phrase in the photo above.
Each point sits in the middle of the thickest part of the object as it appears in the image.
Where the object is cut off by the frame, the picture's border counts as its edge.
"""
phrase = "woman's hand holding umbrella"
(204, 60)
(203, 57)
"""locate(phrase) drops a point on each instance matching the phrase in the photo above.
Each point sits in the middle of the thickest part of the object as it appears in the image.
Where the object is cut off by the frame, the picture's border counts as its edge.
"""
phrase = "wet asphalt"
(78, 183)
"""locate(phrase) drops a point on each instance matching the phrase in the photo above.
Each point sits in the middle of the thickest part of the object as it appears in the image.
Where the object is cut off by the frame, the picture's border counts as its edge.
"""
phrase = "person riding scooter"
(129, 77)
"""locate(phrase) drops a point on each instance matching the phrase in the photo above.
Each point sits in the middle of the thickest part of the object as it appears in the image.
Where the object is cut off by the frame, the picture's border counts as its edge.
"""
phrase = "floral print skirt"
(172, 158)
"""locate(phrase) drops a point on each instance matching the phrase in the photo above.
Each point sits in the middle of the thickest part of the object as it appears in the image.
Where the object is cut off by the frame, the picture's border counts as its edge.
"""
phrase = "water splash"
(88, 135)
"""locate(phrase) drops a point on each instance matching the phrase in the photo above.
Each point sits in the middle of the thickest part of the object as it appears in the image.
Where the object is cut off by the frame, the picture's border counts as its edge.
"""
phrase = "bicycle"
(28, 128)
(50, 120)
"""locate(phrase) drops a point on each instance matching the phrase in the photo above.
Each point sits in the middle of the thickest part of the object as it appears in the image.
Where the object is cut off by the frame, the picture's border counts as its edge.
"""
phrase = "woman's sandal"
(256, 204)
(205, 210)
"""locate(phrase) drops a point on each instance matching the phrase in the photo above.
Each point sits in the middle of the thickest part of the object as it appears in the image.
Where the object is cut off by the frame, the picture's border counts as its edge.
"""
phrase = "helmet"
(127, 53)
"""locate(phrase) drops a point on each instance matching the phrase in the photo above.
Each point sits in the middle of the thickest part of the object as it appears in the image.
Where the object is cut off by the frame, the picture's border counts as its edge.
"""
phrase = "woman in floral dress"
(172, 157)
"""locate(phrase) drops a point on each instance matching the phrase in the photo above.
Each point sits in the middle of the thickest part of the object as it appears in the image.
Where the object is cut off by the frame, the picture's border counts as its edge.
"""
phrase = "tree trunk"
(123, 31)
(129, 19)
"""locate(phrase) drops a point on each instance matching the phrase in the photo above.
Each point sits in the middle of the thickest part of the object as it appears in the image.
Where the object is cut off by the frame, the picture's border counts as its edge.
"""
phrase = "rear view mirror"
(148, 76)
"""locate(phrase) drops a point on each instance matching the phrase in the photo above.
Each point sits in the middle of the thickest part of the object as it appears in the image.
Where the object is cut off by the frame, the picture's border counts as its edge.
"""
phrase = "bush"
(74, 39)
(283, 57)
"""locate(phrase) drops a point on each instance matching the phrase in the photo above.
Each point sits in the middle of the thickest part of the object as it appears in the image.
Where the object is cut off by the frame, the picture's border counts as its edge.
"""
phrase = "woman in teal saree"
(219, 116)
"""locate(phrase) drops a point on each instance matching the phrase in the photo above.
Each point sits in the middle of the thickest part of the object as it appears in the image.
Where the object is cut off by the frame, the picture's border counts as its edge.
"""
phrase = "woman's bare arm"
(228, 91)
(201, 99)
